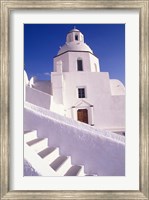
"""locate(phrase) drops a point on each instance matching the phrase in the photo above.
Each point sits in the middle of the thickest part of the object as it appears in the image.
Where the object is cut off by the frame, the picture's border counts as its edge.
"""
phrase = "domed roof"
(117, 87)
(74, 30)
(74, 46)
(74, 42)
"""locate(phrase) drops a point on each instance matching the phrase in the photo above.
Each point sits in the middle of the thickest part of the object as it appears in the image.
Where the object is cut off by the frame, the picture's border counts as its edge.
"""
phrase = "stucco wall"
(57, 108)
(100, 152)
(43, 85)
(38, 98)
(57, 87)
(109, 111)
(94, 63)
(64, 59)
(69, 61)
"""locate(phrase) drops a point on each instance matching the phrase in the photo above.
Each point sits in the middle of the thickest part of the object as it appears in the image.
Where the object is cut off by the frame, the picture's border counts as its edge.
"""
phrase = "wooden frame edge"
(143, 193)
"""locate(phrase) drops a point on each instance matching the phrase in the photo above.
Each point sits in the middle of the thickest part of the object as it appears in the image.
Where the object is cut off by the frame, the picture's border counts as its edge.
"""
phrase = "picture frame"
(6, 7)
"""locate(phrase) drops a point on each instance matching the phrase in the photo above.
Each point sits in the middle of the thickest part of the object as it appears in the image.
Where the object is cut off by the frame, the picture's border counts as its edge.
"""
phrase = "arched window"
(76, 37)
(79, 65)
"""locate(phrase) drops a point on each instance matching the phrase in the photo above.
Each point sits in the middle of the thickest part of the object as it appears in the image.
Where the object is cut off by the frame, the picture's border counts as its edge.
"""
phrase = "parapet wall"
(101, 152)
(38, 98)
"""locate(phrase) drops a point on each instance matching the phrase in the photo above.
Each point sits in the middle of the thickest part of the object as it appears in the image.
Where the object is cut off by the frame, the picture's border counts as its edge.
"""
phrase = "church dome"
(74, 42)
(75, 47)
(74, 29)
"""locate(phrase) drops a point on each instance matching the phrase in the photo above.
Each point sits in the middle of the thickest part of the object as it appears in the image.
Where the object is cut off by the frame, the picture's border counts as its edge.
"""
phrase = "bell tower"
(76, 55)
(74, 36)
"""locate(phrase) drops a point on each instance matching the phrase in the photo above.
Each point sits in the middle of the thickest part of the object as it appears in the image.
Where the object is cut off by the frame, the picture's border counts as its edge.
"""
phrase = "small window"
(76, 37)
(81, 92)
(80, 65)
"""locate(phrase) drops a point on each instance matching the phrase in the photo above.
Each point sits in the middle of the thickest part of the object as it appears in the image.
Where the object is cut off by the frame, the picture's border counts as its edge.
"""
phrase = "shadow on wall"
(101, 153)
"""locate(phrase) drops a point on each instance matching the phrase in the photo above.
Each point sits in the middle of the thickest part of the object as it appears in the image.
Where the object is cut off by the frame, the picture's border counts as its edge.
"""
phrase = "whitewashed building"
(56, 143)
(79, 90)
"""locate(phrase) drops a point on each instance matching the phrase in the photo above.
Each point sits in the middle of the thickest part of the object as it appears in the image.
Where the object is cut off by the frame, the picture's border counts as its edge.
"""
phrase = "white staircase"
(37, 150)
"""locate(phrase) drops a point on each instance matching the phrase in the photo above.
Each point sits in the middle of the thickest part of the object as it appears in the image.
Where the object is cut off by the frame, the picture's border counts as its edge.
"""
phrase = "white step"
(81, 171)
(38, 144)
(30, 135)
(75, 170)
(49, 154)
(61, 165)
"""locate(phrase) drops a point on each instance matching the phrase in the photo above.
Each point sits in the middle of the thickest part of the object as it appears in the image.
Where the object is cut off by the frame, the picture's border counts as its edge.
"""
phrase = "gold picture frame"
(143, 7)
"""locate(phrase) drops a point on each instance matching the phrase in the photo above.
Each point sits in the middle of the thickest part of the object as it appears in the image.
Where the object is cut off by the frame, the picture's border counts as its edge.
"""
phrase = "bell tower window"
(76, 37)
(79, 65)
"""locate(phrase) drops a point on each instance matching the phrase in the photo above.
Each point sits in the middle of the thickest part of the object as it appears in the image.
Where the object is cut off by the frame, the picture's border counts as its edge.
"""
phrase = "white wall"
(43, 100)
(69, 61)
(64, 58)
(57, 108)
(38, 98)
(109, 111)
(101, 152)
(43, 85)
(57, 87)
(94, 61)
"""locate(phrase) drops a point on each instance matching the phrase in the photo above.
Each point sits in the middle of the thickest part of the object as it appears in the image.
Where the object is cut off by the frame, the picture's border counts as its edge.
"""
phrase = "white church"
(78, 95)
(80, 91)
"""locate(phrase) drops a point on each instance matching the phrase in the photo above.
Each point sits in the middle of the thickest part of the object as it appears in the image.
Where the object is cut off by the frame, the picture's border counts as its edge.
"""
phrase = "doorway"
(83, 115)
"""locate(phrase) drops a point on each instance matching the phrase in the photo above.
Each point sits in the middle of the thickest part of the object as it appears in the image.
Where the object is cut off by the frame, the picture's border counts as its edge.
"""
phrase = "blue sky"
(42, 42)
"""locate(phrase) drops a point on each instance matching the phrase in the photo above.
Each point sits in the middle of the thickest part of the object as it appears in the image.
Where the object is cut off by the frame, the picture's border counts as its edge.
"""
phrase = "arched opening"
(76, 37)
(79, 65)
(82, 115)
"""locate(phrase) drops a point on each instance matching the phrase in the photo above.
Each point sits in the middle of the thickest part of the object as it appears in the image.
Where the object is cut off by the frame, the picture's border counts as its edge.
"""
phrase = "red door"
(83, 115)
